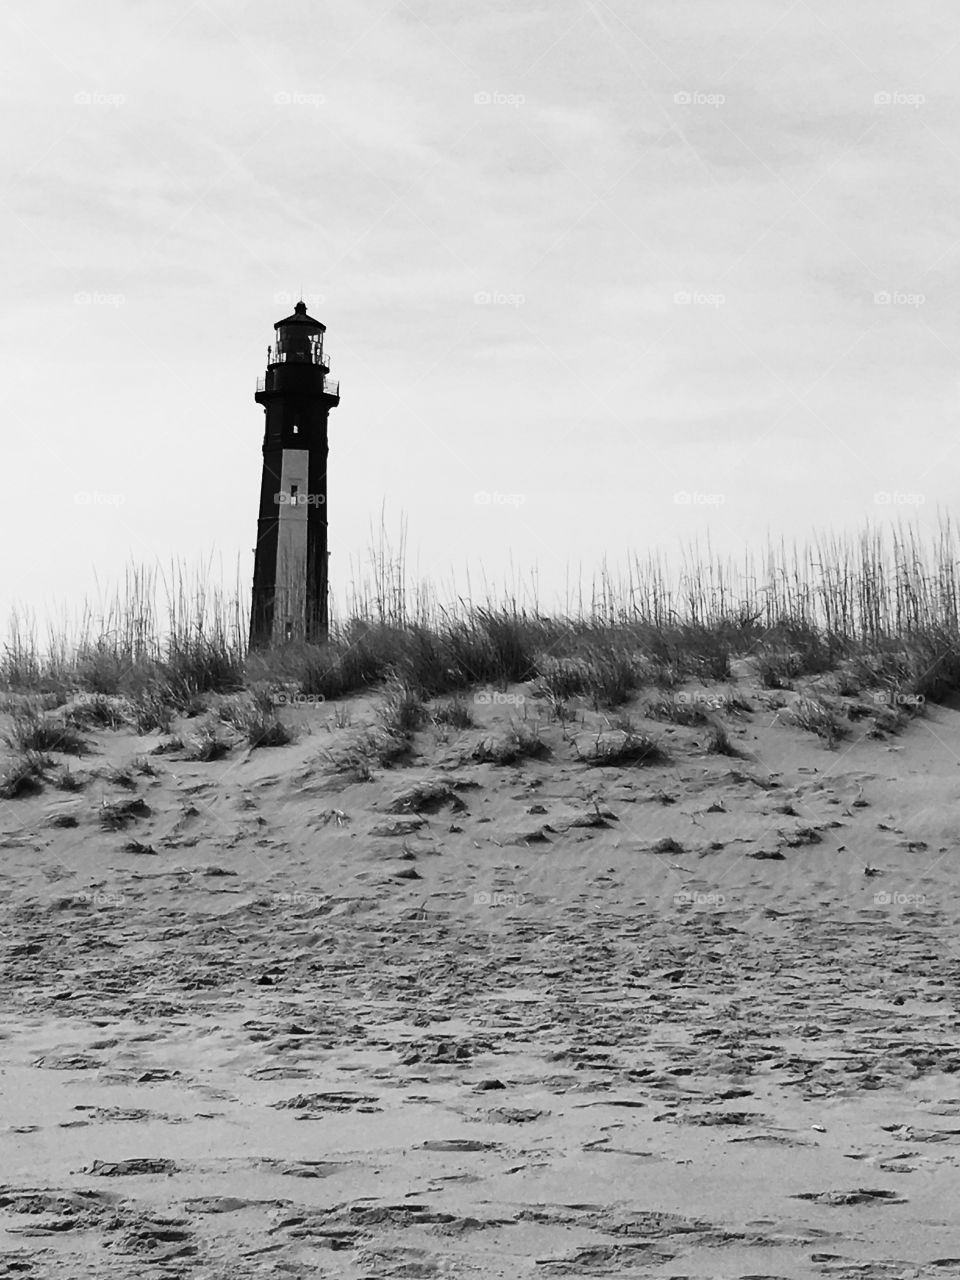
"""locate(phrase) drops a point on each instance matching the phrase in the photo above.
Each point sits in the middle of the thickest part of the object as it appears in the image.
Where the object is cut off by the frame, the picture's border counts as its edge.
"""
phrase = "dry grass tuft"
(31, 730)
(255, 717)
(881, 611)
(428, 796)
(24, 775)
(454, 713)
(66, 780)
(373, 746)
(677, 710)
(624, 747)
(510, 746)
(403, 710)
(206, 744)
(117, 815)
(719, 743)
(819, 717)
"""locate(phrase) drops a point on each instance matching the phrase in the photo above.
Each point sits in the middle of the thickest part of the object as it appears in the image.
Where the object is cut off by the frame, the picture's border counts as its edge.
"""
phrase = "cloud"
(381, 182)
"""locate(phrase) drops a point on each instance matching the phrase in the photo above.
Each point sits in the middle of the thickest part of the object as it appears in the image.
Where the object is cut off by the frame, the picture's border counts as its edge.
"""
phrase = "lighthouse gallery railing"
(330, 386)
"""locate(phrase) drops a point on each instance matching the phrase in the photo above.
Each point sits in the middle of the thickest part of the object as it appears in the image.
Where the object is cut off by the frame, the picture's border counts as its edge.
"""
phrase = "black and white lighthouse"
(290, 586)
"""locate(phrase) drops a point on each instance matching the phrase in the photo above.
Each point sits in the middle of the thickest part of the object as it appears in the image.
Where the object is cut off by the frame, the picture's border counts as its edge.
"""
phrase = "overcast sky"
(597, 277)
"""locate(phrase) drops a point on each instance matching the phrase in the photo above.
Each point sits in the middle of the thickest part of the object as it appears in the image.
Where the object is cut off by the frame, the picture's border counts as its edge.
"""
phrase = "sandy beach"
(695, 1018)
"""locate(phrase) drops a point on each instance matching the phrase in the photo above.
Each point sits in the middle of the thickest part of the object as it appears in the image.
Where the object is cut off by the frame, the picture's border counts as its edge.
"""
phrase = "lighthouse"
(290, 561)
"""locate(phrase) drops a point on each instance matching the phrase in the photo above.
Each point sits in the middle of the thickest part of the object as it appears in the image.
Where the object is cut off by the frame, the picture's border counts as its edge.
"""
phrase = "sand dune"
(695, 1018)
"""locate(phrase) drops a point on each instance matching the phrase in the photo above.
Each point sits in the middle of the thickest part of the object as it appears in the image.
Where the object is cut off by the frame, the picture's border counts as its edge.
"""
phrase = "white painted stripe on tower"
(291, 585)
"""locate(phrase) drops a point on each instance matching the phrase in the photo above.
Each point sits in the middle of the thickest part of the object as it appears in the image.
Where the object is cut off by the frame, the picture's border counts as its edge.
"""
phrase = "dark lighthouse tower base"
(290, 589)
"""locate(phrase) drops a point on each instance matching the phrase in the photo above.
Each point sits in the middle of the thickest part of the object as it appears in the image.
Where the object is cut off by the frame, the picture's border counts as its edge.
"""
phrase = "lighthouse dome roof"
(300, 317)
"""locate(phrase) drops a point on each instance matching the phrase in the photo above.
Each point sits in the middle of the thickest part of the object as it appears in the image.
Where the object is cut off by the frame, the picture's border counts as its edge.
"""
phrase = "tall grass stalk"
(887, 602)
